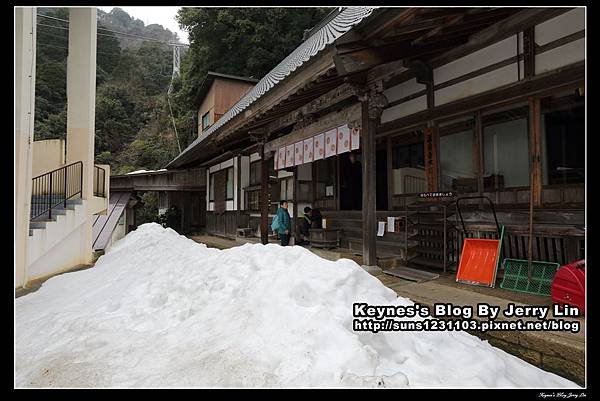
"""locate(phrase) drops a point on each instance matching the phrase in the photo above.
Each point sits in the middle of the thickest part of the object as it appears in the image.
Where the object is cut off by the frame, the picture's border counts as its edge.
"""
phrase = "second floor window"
(205, 121)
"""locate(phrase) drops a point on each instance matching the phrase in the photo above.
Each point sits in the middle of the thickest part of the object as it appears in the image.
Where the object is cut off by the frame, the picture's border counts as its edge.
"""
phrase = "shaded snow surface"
(159, 310)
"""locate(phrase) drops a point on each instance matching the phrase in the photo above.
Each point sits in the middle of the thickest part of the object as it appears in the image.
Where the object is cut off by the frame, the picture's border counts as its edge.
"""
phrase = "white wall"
(48, 155)
(229, 205)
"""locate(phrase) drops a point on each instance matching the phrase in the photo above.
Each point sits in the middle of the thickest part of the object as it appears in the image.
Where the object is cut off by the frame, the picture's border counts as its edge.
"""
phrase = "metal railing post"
(50, 199)
(65, 187)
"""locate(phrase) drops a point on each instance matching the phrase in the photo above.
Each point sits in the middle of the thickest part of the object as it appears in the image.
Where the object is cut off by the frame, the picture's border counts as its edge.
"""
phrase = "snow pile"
(160, 310)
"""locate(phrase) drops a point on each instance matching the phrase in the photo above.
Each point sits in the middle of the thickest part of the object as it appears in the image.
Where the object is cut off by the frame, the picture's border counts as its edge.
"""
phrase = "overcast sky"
(164, 16)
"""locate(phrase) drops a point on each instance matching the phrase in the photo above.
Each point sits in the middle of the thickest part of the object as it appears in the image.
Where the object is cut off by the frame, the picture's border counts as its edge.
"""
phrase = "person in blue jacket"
(283, 217)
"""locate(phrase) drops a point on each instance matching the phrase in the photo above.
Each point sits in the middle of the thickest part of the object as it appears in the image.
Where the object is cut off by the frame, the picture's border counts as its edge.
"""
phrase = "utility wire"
(117, 32)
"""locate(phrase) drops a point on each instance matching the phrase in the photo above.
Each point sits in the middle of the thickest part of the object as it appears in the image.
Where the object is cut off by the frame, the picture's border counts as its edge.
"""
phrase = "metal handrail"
(477, 197)
(99, 183)
(55, 187)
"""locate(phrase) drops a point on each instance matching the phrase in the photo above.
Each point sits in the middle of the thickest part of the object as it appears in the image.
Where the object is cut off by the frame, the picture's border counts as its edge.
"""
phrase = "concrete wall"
(48, 155)
(25, 34)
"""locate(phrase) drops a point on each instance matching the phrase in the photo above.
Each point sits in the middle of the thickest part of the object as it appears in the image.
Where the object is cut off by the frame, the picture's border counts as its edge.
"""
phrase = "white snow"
(159, 310)
(140, 172)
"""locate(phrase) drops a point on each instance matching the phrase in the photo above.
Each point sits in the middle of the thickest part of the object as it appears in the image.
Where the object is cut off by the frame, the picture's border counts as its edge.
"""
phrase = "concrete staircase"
(55, 243)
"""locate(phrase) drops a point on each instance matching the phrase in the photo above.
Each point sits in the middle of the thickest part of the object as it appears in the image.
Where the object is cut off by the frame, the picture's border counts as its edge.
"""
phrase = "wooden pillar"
(390, 178)
(535, 150)
(372, 106)
(478, 152)
(368, 190)
(264, 196)
(529, 52)
(431, 157)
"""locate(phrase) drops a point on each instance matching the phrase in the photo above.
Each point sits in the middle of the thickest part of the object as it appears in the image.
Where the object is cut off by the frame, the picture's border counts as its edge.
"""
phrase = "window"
(255, 173)
(211, 187)
(229, 186)
(287, 189)
(456, 155)
(408, 164)
(563, 138)
(253, 200)
(206, 120)
(506, 147)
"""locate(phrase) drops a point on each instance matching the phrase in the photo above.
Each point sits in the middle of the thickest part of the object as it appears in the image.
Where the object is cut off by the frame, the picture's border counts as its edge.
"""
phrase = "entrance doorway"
(350, 181)
(381, 180)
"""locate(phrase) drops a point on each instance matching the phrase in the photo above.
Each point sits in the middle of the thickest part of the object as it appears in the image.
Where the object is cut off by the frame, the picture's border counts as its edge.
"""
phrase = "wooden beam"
(350, 115)
(478, 152)
(501, 30)
(369, 204)
(563, 78)
(329, 99)
(450, 21)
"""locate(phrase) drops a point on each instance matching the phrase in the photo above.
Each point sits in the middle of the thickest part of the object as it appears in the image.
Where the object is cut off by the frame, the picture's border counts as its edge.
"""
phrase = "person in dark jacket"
(316, 218)
(285, 226)
(305, 225)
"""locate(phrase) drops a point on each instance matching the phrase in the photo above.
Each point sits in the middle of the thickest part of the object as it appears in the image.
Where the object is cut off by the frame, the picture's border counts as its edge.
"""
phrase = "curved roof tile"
(339, 25)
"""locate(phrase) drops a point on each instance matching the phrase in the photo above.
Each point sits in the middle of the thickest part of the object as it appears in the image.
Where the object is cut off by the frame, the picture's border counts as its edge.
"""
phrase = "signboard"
(281, 157)
(355, 138)
(343, 137)
(289, 156)
(331, 142)
(319, 141)
(441, 194)
(299, 153)
(276, 160)
(308, 150)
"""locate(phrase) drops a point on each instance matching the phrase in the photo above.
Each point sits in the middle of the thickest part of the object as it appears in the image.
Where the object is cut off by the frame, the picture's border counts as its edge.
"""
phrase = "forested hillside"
(134, 129)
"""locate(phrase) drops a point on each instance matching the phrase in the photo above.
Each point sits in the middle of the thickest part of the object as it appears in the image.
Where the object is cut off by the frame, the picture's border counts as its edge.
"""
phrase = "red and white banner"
(319, 147)
(331, 142)
(308, 150)
(343, 136)
(355, 138)
(281, 158)
(299, 153)
(289, 156)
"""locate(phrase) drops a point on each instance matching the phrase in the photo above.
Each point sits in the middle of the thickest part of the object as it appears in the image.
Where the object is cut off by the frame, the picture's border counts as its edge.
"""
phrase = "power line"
(116, 32)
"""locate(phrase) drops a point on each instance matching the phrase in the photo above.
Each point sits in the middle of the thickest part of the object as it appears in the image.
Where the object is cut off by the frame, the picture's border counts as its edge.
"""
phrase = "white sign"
(308, 150)
(319, 147)
(343, 136)
(331, 142)
(281, 157)
(380, 228)
(298, 153)
(355, 138)
(289, 156)
(390, 224)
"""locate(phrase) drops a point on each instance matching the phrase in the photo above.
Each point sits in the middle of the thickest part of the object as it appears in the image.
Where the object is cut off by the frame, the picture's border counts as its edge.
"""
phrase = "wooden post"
(369, 219)
(264, 196)
(372, 105)
(390, 178)
(529, 52)
(431, 157)
(535, 149)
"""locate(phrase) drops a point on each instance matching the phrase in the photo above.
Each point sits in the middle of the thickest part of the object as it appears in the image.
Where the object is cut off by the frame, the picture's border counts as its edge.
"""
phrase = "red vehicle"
(568, 286)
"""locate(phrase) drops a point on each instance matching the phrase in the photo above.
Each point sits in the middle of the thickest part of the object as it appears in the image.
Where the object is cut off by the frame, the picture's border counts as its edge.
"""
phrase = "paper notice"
(380, 228)
(390, 224)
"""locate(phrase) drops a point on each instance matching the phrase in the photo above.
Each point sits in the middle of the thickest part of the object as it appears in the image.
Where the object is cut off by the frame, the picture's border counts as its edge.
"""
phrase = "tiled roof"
(336, 27)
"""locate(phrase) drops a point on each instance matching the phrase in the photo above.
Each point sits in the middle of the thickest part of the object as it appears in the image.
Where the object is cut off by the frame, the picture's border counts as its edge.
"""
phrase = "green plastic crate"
(515, 276)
